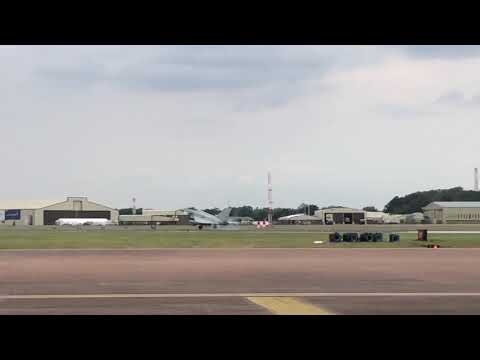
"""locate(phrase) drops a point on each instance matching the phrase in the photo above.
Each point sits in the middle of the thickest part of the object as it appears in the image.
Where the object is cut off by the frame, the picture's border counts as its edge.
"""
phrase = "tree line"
(261, 213)
(414, 202)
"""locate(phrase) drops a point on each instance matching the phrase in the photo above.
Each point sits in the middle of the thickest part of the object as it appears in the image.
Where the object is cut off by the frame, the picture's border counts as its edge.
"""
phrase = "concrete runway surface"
(240, 281)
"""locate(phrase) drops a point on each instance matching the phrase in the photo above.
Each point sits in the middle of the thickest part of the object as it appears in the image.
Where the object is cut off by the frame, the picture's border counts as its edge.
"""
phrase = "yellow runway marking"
(288, 306)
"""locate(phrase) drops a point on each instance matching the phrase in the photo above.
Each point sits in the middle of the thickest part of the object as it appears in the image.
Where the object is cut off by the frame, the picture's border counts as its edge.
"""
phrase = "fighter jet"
(201, 218)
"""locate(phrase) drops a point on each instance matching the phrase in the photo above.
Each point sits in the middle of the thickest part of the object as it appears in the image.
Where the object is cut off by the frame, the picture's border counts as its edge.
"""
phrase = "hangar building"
(341, 215)
(47, 212)
(453, 212)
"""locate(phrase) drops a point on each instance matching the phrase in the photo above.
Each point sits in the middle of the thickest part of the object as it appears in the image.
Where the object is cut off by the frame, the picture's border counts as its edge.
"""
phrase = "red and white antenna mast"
(270, 201)
(475, 179)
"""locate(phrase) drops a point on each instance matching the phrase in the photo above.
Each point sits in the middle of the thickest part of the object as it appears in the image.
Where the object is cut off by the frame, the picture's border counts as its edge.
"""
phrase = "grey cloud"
(475, 100)
(443, 51)
(272, 76)
(194, 68)
(175, 78)
(453, 97)
(253, 77)
(402, 111)
(405, 112)
(274, 96)
(73, 78)
(269, 99)
(458, 98)
(133, 136)
(224, 68)
(249, 57)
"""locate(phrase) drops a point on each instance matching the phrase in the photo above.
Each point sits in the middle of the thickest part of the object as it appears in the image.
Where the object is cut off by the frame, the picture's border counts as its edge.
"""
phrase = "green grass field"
(77, 239)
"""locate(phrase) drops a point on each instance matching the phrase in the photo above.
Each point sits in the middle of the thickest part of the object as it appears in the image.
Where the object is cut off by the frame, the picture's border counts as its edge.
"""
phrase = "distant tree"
(313, 208)
(281, 212)
(243, 211)
(301, 208)
(304, 208)
(259, 214)
(370, 208)
(332, 207)
(414, 202)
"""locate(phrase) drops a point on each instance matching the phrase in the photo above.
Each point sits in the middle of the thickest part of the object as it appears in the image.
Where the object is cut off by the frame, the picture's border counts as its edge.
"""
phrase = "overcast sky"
(179, 126)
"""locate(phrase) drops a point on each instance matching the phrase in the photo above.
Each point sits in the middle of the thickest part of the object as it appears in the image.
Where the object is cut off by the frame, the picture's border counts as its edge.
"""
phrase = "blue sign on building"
(12, 214)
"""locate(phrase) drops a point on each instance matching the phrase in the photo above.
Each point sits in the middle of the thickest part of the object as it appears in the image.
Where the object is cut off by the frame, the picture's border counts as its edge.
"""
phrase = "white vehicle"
(76, 222)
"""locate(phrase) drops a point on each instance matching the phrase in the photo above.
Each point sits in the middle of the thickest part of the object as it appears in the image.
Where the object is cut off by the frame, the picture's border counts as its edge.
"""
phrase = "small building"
(452, 212)
(341, 215)
(47, 212)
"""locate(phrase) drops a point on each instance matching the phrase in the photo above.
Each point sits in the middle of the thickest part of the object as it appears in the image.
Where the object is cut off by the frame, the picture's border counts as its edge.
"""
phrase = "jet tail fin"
(225, 214)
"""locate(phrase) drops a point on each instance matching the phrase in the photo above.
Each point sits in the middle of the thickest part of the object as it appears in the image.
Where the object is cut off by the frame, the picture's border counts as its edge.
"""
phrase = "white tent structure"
(298, 218)
(378, 217)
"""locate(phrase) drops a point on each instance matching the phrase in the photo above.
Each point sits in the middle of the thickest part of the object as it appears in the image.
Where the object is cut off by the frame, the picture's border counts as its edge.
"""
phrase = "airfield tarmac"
(240, 281)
